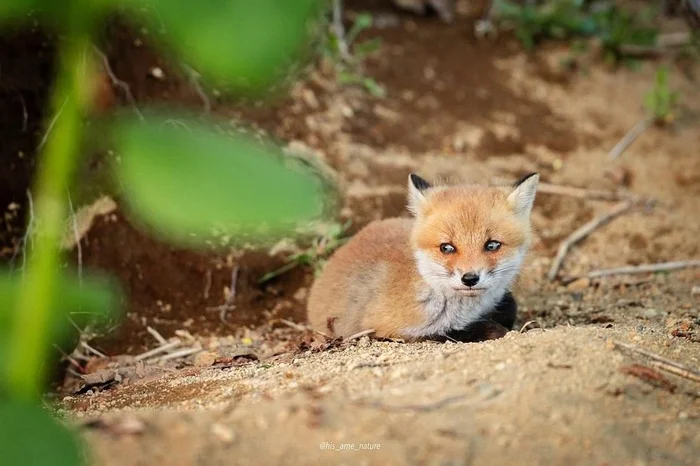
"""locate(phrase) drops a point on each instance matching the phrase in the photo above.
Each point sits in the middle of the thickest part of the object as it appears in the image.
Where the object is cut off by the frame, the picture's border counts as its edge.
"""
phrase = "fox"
(443, 273)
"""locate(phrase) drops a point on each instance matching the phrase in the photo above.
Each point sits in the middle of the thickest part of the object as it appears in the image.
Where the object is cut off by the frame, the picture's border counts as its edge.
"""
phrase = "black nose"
(470, 279)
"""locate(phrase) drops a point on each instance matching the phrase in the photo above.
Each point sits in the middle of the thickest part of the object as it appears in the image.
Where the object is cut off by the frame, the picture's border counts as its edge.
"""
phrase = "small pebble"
(223, 433)
(157, 73)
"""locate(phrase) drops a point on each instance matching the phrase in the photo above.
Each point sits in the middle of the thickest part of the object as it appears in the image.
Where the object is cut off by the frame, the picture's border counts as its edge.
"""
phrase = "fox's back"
(359, 274)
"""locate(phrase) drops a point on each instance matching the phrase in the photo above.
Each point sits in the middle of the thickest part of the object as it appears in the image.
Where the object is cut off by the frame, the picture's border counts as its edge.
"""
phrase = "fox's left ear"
(416, 186)
(523, 196)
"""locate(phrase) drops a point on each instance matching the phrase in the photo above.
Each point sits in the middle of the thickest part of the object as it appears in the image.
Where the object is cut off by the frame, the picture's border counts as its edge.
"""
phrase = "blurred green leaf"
(246, 44)
(29, 436)
(363, 21)
(187, 181)
(12, 9)
(92, 300)
(366, 48)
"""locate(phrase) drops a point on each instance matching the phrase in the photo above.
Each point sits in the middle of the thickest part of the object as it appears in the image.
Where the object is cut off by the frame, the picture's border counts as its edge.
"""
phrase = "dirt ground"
(258, 388)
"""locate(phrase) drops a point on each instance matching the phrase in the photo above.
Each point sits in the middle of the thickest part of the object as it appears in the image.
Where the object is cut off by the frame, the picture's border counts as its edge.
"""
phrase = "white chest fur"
(445, 311)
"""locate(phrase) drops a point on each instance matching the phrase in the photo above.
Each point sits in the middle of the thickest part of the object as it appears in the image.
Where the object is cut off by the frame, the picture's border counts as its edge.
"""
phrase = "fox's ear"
(416, 186)
(522, 197)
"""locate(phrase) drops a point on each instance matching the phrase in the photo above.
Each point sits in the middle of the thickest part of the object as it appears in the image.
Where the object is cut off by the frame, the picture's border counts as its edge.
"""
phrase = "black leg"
(494, 324)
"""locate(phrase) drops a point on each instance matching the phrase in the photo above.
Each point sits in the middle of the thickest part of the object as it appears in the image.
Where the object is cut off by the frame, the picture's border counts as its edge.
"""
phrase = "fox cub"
(445, 274)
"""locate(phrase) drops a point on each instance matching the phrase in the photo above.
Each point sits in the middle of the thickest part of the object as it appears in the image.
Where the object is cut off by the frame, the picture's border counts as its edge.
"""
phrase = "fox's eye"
(447, 248)
(492, 245)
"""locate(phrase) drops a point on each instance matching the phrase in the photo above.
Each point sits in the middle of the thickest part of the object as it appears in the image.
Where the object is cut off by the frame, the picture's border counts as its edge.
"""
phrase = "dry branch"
(157, 335)
(583, 232)
(230, 302)
(179, 354)
(580, 193)
(160, 349)
(630, 137)
(644, 268)
(92, 350)
(660, 362)
(360, 334)
(685, 373)
(664, 43)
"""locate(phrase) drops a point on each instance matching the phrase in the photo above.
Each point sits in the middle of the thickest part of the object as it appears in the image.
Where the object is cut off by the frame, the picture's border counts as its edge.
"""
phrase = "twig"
(630, 137)
(92, 350)
(644, 268)
(649, 375)
(69, 358)
(118, 82)
(339, 31)
(230, 302)
(293, 325)
(53, 123)
(685, 373)
(179, 354)
(580, 193)
(194, 80)
(157, 335)
(582, 233)
(663, 363)
(160, 349)
(360, 334)
(663, 43)
(527, 324)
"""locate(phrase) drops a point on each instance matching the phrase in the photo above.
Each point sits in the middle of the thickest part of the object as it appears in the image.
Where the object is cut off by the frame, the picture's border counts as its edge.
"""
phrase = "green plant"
(661, 101)
(316, 255)
(185, 181)
(348, 54)
(556, 18)
(615, 27)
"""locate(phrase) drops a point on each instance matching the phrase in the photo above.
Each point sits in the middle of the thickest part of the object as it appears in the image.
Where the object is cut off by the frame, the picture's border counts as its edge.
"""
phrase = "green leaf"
(13, 9)
(189, 182)
(363, 21)
(31, 437)
(368, 47)
(92, 301)
(246, 44)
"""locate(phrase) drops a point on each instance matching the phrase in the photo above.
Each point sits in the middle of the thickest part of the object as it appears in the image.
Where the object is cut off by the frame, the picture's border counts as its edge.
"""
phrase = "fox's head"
(471, 240)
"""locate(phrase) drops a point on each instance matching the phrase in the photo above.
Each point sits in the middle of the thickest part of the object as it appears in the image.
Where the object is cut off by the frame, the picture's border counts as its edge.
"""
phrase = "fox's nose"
(470, 279)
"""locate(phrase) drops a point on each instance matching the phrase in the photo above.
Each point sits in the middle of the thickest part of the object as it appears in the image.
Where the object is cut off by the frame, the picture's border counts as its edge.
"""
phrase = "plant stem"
(29, 341)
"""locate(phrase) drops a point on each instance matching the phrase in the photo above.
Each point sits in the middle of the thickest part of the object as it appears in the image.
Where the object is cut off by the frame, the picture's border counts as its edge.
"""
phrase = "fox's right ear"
(416, 186)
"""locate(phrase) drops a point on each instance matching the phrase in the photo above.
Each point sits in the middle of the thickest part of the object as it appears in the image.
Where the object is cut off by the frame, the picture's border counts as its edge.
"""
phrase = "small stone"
(205, 358)
(695, 291)
(223, 433)
(301, 293)
(650, 313)
(580, 284)
(157, 73)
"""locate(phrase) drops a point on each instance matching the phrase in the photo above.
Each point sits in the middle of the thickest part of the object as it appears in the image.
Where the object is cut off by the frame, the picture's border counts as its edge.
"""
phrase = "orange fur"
(373, 280)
